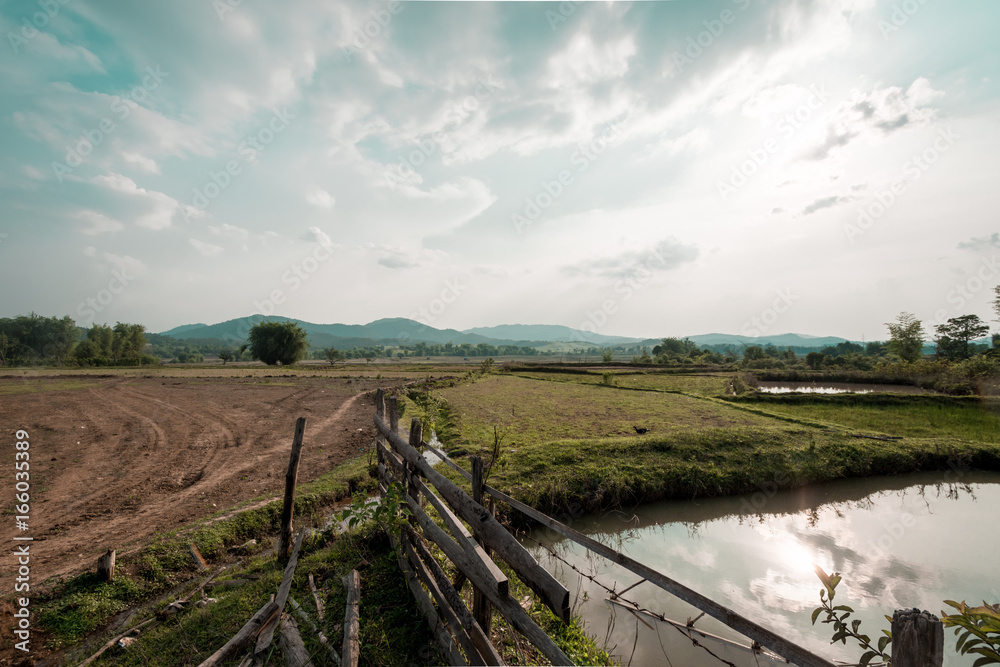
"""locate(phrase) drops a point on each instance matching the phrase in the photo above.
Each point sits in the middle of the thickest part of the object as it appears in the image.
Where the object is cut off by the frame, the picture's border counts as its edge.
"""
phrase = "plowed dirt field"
(115, 459)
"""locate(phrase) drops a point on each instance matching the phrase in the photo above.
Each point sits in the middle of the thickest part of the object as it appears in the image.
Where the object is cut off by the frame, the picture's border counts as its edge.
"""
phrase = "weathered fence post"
(416, 437)
(482, 610)
(392, 407)
(380, 413)
(917, 639)
(106, 566)
(285, 538)
(351, 618)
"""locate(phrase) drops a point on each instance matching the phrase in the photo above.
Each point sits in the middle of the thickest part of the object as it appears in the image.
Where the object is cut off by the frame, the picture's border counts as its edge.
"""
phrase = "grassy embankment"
(569, 443)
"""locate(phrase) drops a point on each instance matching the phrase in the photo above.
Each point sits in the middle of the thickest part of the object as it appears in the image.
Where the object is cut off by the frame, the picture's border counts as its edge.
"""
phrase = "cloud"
(321, 198)
(99, 223)
(228, 231)
(981, 242)
(206, 249)
(827, 202)
(163, 206)
(668, 254)
(878, 113)
(317, 235)
(125, 263)
(396, 257)
(142, 163)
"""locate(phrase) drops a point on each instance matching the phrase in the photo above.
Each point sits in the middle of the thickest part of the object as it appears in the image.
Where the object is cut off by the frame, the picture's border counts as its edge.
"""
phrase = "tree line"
(32, 339)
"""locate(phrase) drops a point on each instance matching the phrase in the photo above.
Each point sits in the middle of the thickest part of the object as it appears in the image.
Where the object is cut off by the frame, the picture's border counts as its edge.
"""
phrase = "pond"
(774, 387)
(899, 542)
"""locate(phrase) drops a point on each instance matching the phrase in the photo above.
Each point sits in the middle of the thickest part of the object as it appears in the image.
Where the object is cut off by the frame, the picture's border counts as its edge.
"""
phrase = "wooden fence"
(464, 635)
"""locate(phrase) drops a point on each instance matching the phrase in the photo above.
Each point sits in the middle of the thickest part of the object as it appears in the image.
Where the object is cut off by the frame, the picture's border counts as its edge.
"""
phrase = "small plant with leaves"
(608, 379)
(486, 366)
(837, 615)
(389, 512)
(978, 630)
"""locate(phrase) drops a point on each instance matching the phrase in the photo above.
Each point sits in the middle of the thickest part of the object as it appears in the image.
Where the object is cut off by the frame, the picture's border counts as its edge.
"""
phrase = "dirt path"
(116, 462)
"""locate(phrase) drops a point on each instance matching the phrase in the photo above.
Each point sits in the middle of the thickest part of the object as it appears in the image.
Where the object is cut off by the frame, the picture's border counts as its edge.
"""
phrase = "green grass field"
(568, 440)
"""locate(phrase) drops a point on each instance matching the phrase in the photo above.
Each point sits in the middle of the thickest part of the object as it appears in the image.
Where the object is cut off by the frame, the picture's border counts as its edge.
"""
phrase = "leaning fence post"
(917, 639)
(288, 508)
(351, 648)
(482, 610)
(416, 437)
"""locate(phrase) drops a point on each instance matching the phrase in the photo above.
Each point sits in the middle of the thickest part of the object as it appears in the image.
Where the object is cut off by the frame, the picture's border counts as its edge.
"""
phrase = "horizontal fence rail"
(463, 636)
(779, 645)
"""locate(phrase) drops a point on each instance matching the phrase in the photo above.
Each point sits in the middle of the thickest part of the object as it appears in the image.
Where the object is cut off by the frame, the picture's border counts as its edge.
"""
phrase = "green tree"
(753, 353)
(906, 337)
(607, 355)
(225, 355)
(333, 355)
(955, 334)
(815, 360)
(278, 342)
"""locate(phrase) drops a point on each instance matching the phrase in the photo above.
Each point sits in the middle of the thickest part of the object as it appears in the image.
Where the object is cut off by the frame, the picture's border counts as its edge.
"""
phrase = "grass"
(565, 449)
(907, 416)
(701, 384)
(392, 632)
(70, 610)
(532, 412)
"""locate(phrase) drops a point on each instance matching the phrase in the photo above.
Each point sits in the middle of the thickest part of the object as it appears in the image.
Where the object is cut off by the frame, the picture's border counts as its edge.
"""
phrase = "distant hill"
(400, 330)
(778, 340)
(549, 333)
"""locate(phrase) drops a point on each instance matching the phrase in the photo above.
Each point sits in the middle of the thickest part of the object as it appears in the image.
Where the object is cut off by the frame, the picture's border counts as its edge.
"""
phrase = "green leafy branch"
(838, 615)
(978, 630)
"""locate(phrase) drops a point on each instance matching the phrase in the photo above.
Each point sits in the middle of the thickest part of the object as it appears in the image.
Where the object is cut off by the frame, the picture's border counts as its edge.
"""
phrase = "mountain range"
(398, 330)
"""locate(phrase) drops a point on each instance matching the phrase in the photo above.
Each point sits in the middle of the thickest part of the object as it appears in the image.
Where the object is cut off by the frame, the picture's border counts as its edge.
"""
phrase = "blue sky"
(646, 169)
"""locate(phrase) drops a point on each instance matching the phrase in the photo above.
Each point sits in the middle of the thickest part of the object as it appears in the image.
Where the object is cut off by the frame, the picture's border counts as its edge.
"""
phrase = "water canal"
(899, 542)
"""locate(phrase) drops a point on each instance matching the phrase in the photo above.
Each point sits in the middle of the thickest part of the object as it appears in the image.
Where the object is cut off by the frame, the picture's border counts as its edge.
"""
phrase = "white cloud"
(99, 223)
(225, 230)
(872, 115)
(320, 198)
(125, 263)
(317, 235)
(142, 163)
(206, 249)
(160, 208)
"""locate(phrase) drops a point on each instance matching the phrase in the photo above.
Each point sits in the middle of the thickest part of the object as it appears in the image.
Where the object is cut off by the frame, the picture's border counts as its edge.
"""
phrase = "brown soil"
(124, 458)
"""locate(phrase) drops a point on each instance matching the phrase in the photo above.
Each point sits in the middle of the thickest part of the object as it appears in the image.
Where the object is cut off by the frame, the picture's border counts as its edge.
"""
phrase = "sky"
(638, 169)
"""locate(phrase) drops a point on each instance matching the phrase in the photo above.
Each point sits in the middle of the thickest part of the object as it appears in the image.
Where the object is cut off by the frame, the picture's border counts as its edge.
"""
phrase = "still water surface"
(899, 542)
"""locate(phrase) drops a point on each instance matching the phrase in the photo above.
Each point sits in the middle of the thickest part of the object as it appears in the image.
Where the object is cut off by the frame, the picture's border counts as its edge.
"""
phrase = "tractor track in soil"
(115, 463)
